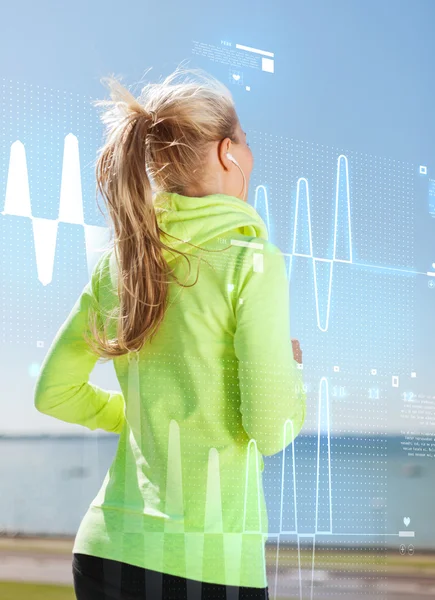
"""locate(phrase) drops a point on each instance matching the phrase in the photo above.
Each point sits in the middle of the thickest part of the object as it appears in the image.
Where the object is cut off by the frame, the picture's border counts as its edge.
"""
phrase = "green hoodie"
(200, 404)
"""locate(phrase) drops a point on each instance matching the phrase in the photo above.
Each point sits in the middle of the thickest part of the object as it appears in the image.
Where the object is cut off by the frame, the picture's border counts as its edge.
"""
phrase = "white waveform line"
(17, 200)
(252, 443)
(294, 253)
(324, 379)
(18, 203)
(71, 197)
(310, 237)
(295, 513)
(337, 191)
(266, 203)
(295, 504)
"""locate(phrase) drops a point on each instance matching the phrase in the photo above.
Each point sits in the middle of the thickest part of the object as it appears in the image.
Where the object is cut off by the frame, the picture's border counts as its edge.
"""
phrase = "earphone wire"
(232, 159)
(244, 179)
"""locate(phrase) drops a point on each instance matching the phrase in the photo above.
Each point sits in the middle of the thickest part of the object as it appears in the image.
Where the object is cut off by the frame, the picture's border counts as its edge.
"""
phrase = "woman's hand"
(297, 352)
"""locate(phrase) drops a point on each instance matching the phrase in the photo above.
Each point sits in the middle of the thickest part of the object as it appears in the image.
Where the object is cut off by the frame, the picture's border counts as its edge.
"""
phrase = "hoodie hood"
(200, 219)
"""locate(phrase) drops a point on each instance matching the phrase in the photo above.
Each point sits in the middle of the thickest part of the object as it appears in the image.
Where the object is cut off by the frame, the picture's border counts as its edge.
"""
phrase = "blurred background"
(337, 101)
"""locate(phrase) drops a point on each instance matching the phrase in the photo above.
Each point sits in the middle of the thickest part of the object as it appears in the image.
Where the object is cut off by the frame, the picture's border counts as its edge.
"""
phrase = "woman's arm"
(62, 389)
(271, 385)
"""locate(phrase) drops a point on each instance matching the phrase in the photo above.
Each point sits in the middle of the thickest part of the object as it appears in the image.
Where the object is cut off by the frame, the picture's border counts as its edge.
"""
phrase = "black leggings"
(104, 579)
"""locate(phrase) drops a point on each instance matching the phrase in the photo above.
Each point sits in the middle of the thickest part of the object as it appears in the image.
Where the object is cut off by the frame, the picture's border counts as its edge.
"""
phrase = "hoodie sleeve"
(62, 388)
(271, 385)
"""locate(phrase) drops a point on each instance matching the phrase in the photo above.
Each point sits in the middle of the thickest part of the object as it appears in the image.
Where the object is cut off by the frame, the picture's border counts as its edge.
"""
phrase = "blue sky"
(348, 74)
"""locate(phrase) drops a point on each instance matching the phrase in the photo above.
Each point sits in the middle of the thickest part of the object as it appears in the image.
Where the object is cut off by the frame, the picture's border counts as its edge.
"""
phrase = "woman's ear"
(224, 146)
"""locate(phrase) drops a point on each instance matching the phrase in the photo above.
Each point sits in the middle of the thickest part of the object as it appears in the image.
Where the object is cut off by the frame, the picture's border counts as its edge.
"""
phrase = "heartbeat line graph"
(18, 203)
(342, 201)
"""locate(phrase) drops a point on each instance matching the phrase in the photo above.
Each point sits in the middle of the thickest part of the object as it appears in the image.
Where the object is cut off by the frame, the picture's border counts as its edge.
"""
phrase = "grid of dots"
(41, 117)
(370, 321)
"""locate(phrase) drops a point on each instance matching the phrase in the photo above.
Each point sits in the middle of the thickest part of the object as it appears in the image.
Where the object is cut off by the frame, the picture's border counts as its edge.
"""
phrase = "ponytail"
(140, 143)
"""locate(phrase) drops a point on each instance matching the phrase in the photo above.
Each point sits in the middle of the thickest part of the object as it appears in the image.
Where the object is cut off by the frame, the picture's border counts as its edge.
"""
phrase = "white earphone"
(232, 159)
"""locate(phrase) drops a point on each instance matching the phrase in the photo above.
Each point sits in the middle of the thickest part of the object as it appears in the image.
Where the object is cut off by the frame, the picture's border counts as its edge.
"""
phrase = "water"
(48, 483)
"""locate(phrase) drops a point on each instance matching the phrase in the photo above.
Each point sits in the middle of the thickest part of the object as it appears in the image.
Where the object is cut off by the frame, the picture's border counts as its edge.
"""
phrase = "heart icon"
(236, 77)
(406, 520)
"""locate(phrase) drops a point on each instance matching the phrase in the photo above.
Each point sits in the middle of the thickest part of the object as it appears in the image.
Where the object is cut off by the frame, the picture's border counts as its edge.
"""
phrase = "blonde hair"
(164, 135)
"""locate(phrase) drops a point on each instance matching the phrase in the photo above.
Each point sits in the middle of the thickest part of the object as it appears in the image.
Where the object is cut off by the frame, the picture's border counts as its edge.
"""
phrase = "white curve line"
(266, 202)
(310, 237)
(325, 381)
(252, 442)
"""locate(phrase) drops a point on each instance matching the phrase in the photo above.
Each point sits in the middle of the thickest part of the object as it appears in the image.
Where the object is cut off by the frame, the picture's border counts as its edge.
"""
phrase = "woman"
(206, 367)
